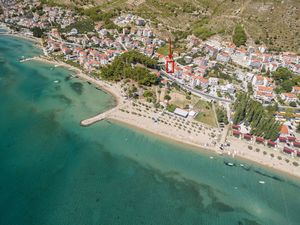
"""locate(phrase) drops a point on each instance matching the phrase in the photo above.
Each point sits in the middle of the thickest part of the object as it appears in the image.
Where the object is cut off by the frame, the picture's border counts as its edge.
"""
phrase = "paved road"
(195, 91)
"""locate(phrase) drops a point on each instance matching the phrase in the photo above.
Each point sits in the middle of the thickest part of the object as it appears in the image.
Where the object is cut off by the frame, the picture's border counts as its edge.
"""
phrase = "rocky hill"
(272, 22)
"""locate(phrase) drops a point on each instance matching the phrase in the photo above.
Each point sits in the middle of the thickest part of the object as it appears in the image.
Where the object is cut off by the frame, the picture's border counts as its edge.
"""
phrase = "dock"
(29, 59)
(99, 117)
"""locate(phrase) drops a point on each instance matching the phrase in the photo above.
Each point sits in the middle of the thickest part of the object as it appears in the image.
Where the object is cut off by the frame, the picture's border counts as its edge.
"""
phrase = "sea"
(55, 172)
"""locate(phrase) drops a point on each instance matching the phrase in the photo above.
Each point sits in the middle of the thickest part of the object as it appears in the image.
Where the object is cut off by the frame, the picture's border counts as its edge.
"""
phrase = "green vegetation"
(122, 67)
(217, 71)
(285, 80)
(96, 15)
(82, 26)
(262, 123)
(37, 32)
(201, 29)
(205, 113)
(171, 107)
(239, 37)
(203, 32)
(222, 115)
(164, 50)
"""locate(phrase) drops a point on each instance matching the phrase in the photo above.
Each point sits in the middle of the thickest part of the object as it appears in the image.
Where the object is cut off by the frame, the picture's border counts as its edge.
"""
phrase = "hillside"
(273, 22)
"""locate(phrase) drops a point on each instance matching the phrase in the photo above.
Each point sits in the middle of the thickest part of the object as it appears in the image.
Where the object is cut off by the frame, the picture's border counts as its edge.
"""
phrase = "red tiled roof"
(236, 132)
(284, 129)
(296, 144)
(291, 138)
(247, 136)
(288, 150)
(271, 143)
(260, 139)
(289, 95)
(282, 139)
(236, 127)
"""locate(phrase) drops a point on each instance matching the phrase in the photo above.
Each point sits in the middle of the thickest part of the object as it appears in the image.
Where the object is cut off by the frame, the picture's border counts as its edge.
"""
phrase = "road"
(195, 91)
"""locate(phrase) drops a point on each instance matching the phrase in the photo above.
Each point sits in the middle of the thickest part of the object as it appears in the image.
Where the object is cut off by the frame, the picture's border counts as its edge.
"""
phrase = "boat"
(229, 164)
(261, 182)
(56, 66)
(56, 81)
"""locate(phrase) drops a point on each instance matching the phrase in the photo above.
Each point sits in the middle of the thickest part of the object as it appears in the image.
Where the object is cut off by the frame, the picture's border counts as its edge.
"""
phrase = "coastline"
(283, 170)
(237, 149)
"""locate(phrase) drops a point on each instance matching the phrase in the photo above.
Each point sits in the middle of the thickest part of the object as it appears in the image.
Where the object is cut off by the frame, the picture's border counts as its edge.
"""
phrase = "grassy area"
(83, 26)
(179, 98)
(164, 50)
(206, 114)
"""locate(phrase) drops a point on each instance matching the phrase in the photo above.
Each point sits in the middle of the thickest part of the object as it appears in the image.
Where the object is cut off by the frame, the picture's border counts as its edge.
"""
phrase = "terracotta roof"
(289, 95)
(264, 88)
(284, 129)
(296, 88)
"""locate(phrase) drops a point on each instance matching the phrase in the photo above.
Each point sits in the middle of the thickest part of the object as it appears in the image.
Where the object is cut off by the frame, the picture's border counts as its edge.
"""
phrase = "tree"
(123, 67)
(37, 32)
(167, 97)
(293, 104)
(239, 36)
(261, 121)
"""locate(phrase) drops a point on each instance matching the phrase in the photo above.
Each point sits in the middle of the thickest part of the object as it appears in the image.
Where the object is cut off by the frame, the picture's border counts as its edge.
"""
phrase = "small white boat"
(211, 157)
(261, 182)
(56, 66)
(242, 165)
(56, 81)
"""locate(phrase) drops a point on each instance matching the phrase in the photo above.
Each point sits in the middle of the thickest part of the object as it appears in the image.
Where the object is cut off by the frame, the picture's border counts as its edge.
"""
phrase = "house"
(140, 22)
(264, 97)
(223, 57)
(212, 52)
(255, 64)
(289, 97)
(260, 80)
(296, 90)
(66, 50)
(74, 31)
(212, 81)
(264, 89)
(199, 81)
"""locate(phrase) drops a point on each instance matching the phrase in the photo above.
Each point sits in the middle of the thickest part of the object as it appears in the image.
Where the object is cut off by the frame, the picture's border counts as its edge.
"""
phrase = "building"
(289, 97)
(296, 90)
(181, 112)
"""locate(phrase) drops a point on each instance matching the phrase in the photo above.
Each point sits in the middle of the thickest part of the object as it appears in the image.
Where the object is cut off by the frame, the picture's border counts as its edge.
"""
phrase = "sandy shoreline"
(199, 136)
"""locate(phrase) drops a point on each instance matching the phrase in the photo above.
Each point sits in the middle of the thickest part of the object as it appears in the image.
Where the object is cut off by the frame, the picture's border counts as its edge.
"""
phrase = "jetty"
(99, 117)
(29, 59)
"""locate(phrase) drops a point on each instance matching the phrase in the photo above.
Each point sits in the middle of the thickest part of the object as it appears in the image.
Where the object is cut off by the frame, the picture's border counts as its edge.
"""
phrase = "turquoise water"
(54, 172)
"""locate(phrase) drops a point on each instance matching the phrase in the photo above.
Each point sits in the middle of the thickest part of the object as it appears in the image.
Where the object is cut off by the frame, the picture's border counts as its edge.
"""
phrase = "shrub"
(239, 36)
(293, 104)
(295, 164)
(249, 147)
